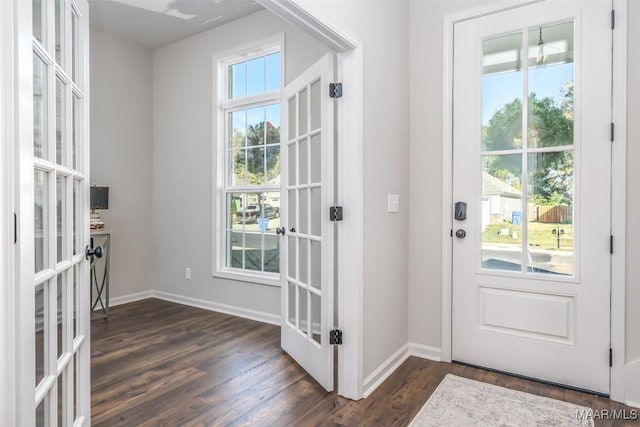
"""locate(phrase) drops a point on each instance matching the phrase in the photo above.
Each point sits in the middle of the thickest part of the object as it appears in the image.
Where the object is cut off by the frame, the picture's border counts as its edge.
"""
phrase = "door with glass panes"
(307, 233)
(53, 152)
(532, 177)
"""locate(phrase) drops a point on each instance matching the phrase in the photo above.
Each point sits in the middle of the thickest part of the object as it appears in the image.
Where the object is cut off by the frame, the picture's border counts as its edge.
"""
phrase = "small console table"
(99, 275)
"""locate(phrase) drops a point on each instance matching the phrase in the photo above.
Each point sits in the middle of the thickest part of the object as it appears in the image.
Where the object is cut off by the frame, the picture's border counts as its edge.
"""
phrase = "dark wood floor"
(157, 363)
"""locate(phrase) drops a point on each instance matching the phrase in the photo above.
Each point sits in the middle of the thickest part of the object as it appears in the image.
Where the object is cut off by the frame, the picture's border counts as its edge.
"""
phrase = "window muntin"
(250, 195)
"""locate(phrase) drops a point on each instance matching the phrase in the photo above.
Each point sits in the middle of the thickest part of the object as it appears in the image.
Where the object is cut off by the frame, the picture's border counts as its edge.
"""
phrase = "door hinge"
(610, 357)
(15, 228)
(612, 131)
(613, 19)
(611, 244)
(335, 213)
(335, 337)
(335, 90)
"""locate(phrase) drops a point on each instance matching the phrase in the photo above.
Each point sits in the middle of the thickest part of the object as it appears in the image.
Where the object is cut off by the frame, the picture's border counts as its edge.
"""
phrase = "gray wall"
(121, 153)
(183, 162)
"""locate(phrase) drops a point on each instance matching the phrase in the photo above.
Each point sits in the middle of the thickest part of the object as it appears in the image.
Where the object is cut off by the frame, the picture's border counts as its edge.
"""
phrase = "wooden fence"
(551, 214)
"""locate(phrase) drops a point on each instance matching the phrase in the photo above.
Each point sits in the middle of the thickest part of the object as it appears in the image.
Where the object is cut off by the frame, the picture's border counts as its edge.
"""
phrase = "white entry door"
(532, 163)
(52, 313)
(307, 255)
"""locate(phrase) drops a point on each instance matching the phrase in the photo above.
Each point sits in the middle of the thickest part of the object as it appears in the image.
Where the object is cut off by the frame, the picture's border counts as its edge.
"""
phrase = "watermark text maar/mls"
(608, 414)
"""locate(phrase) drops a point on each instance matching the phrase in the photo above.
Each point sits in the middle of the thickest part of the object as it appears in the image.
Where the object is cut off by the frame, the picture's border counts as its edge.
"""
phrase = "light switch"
(393, 203)
(187, 273)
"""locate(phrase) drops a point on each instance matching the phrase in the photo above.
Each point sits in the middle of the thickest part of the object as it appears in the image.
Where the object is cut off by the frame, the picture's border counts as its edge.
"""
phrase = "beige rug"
(463, 402)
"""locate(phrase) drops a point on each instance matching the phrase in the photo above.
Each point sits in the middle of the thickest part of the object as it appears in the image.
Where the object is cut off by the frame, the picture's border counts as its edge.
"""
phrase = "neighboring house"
(500, 201)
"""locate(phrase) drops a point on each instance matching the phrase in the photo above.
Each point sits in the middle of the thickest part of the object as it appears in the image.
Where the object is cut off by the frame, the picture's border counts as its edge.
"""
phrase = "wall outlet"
(187, 273)
(393, 203)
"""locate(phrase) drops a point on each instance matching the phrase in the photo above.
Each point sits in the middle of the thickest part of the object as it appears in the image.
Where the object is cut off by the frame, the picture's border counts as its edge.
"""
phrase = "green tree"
(249, 164)
(550, 124)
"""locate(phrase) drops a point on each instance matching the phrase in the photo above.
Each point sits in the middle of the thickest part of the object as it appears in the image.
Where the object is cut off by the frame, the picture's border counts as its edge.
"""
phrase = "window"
(249, 158)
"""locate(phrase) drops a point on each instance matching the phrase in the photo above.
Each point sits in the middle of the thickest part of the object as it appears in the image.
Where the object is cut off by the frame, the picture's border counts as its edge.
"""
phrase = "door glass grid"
(58, 204)
(527, 191)
(304, 189)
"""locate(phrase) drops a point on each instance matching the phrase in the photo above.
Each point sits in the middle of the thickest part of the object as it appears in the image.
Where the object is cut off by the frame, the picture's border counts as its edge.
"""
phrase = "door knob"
(280, 230)
(461, 234)
(97, 252)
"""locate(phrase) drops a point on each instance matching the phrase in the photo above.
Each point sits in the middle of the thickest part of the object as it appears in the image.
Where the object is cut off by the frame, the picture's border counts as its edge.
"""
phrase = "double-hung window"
(249, 151)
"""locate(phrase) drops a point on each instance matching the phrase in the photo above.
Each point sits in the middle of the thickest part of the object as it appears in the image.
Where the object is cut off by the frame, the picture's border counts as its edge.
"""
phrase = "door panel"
(532, 160)
(307, 266)
(53, 310)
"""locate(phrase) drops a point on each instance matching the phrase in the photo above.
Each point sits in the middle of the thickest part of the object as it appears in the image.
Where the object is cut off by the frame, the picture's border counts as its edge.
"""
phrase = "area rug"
(463, 402)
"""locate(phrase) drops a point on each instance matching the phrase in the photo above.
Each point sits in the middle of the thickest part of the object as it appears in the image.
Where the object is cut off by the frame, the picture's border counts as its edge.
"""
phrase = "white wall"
(121, 154)
(425, 269)
(382, 28)
(183, 162)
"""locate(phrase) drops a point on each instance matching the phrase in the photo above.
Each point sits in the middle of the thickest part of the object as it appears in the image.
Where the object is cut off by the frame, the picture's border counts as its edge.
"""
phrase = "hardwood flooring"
(156, 363)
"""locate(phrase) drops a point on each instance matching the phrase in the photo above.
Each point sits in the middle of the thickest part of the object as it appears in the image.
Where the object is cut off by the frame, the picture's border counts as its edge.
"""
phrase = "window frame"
(223, 105)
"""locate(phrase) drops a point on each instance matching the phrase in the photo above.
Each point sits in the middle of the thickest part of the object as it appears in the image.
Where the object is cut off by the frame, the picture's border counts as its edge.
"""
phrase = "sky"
(500, 89)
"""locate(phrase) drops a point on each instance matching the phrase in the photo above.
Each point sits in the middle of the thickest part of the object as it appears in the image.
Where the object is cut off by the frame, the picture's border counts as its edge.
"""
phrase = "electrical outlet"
(187, 273)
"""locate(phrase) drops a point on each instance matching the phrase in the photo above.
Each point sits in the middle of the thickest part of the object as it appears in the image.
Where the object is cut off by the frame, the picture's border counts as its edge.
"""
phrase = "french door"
(307, 233)
(532, 176)
(53, 187)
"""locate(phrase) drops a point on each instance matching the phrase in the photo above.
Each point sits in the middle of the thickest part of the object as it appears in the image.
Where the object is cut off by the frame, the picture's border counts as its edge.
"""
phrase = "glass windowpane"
(237, 80)
(501, 211)
(60, 217)
(316, 159)
(551, 79)
(303, 162)
(273, 124)
(316, 264)
(303, 245)
(41, 413)
(41, 237)
(316, 212)
(316, 318)
(255, 126)
(302, 111)
(291, 306)
(39, 20)
(302, 307)
(273, 71)
(502, 93)
(59, 30)
(291, 250)
(75, 133)
(550, 213)
(255, 166)
(41, 331)
(293, 116)
(61, 295)
(256, 73)
(39, 108)
(292, 164)
(316, 105)
(60, 120)
(303, 219)
(238, 128)
(75, 34)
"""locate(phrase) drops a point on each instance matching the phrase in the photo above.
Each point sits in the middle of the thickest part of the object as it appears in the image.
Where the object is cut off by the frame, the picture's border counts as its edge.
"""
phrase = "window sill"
(270, 279)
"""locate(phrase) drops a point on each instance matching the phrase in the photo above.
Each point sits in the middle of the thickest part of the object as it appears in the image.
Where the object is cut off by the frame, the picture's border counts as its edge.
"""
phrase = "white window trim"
(222, 104)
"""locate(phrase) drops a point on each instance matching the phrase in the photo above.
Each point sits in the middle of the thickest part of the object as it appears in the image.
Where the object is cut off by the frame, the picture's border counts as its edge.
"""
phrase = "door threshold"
(537, 380)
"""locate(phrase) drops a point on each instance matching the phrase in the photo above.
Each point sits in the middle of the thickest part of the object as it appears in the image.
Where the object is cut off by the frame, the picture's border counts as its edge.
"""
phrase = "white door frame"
(619, 113)
(349, 264)
(7, 295)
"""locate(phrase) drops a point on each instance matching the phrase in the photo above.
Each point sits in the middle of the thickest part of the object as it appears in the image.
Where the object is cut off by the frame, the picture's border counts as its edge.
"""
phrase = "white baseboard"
(221, 308)
(425, 352)
(383, 371)
(632, 384)
(125, 299)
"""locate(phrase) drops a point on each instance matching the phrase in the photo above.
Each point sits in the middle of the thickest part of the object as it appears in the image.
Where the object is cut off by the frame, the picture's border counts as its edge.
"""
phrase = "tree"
(550, 124)
(249, 164)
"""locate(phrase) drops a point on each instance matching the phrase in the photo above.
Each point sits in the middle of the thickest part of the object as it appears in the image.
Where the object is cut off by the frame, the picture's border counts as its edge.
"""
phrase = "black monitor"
(99, 197)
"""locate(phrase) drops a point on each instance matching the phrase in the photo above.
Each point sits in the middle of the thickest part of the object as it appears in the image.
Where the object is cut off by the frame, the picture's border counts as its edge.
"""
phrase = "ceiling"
(156, 23)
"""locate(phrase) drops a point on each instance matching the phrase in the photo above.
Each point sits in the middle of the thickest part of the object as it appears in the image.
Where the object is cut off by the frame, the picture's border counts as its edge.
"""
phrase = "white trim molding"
(619, 391)
(385, 369)
(632, 388)
(425, 352)
(307, 17)
(260, 316)
(621, 375)
(126, 299)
